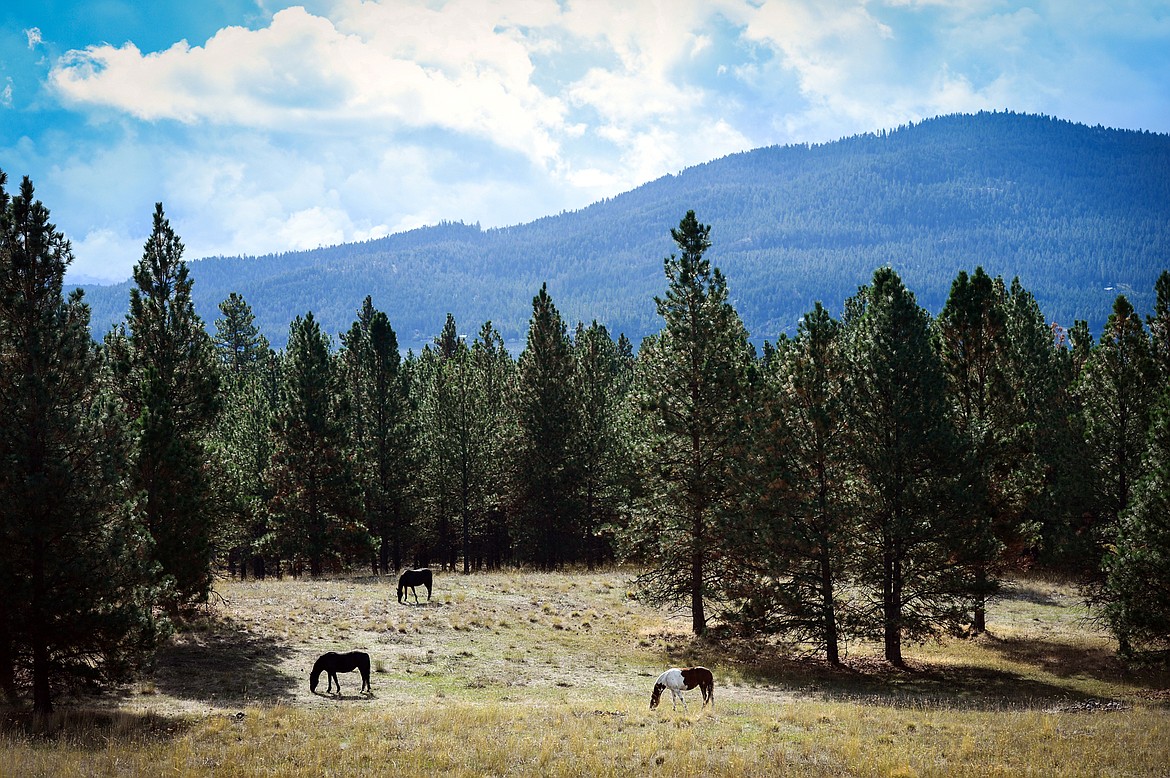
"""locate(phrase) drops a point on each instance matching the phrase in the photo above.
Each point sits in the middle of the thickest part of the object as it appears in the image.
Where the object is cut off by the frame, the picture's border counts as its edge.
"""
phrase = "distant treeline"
(1079, 214)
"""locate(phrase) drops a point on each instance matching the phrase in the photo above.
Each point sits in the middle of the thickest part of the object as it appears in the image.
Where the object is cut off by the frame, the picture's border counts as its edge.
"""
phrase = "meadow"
(519, 673)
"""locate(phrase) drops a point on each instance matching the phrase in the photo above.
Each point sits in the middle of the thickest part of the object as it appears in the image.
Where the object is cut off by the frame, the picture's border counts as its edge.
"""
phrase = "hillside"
(1079, 213)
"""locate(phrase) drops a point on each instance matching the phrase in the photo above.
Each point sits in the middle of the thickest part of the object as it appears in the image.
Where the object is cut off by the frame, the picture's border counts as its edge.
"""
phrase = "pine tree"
(798, 527)
(238, 341)
(602, 454)
(495, 372)
(1159, 324)
(904, 455)
(547, 510)
(1051, 472)
(74, 572)
(447, 438)
(170, 385)
(973, 345)
(242, 441)
(378, 429)
(1136, 595)
(314, 506)
(691, 380)
(1114, 388)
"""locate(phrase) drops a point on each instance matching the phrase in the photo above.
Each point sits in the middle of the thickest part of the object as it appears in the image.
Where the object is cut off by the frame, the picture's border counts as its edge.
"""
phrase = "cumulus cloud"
(306, 72)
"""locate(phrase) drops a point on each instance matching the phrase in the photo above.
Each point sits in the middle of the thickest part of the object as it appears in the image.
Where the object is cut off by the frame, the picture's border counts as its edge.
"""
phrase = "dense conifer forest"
(870, 472)
(1078, 213)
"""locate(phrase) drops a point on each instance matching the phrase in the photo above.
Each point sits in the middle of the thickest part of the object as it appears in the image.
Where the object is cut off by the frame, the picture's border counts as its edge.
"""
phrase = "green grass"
(550, 674)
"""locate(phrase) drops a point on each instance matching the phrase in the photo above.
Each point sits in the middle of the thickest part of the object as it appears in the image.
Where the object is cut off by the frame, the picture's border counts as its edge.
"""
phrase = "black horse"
(413, 578)
(334, 663)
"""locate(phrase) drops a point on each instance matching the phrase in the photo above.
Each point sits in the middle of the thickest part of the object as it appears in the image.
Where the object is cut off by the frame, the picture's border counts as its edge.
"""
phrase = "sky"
(265, 126)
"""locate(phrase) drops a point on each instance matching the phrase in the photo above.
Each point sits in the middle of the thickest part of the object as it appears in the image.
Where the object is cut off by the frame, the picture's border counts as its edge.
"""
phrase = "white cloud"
(304, 71)
(33, 35)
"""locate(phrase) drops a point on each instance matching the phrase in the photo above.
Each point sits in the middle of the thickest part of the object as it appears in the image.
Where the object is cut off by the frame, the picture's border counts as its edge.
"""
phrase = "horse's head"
(313, 678)
(658, 687)
(401, 591)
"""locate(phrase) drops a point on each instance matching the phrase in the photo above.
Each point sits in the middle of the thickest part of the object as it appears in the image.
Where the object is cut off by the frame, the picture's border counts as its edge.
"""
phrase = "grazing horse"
(333, 663)
(413, 578)
(687, 678)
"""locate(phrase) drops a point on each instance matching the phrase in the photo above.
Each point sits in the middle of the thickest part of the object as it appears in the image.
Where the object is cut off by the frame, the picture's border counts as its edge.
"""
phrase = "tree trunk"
(7, 669)
(698, 617)
(979, 623)
(892, 610)
(832, 651)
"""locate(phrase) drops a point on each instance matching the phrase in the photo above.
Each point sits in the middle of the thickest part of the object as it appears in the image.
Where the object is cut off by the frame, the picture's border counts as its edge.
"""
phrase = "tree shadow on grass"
(917, 684)
(90, 729)
(225, 665)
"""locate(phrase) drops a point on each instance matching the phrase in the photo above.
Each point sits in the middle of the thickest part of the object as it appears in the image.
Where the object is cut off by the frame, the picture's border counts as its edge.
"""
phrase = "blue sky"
(265, 126)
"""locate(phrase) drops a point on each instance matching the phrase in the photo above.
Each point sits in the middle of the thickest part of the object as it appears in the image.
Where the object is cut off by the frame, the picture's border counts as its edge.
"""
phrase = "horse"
(412, 578)
(333, 663)
(677, 680)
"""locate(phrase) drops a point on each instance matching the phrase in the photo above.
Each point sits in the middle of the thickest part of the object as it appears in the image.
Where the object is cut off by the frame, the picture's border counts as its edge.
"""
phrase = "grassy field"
(550, 674)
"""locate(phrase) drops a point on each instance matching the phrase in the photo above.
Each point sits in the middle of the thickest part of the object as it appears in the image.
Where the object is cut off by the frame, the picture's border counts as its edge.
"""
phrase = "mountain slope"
(1078, 213)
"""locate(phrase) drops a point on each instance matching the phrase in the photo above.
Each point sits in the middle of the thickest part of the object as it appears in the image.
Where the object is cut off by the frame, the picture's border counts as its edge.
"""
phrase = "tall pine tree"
(314, 506)
(692, 379)
(904, 455)
(170, 384)
(547, 525)
(1114, 388)
(798, 533)
(972, 329)
(379, 429)
(74, 561)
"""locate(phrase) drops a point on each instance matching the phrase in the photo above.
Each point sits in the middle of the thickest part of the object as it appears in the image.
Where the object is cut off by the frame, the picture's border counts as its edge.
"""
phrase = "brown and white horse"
(677, 680)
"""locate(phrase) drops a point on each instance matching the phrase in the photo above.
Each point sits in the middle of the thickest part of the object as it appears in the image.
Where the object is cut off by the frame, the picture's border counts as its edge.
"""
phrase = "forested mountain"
(1079, 213)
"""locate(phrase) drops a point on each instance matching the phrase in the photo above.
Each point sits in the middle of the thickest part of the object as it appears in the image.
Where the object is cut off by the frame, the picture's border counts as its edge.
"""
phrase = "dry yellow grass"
(550, 674)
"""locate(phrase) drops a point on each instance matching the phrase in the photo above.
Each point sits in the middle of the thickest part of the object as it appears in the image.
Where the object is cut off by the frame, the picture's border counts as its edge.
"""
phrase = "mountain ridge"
(1079, 213)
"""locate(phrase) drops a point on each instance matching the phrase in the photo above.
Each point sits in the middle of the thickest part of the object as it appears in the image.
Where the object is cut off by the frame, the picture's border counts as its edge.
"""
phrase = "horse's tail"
(710, 692)
(427, 578)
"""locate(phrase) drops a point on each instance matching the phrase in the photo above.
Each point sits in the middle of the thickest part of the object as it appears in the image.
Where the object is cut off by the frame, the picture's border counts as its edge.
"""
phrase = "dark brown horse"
(333, 663)
(412, 578)
(677, 680)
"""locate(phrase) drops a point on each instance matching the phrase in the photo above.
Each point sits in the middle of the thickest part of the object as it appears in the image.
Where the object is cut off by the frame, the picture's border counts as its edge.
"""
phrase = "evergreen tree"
(74, 574)
(495, 372)
(547, 524)
(242, 448)
(379, 429)
(798, 526)
(691, 380)
(904, 454)
(601, 383)
(447, 437)
(1051, 472)
(974, 349)
(1114, 388)
(238, 341)
(1159, 325)
(170, 385)
(314, 505)
(1136, 596)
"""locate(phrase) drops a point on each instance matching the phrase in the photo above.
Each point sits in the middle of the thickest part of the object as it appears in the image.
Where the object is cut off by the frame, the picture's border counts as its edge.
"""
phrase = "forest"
(1078, 213)
(874, 474)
